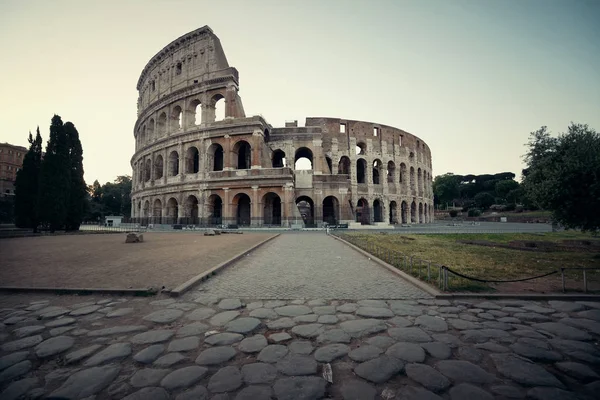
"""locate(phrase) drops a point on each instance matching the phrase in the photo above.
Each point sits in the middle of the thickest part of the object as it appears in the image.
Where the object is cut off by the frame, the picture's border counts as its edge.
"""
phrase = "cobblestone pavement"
(308, 265)
(201, 347)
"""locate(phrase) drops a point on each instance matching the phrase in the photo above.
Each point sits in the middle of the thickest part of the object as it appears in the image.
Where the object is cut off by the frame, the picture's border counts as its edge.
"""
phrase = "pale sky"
(471, 78)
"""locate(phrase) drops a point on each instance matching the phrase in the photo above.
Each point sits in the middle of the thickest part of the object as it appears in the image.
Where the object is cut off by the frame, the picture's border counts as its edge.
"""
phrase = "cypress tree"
(27, 185)
(55, 178)
(77, 195)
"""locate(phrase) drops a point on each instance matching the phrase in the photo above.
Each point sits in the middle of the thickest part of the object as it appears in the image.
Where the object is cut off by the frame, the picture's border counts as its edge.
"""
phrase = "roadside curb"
(80, 291)
(418, 283)
(179, 290)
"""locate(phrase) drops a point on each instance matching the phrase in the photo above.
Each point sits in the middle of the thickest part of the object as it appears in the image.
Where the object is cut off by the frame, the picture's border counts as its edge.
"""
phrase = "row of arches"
(417, 213)
(361, 149)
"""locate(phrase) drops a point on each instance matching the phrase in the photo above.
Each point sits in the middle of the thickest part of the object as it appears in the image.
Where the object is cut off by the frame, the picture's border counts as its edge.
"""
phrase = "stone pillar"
(255, 216)
(227, 154)
(256, 161)
(227, 213)
(152, 168)
(181, 161)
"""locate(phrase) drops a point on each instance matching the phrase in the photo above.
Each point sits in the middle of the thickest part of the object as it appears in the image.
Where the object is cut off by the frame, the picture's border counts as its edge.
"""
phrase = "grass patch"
(484, 262)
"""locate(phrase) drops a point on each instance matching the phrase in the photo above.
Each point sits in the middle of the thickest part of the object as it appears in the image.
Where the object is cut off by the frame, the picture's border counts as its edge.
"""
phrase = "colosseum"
(194, 166)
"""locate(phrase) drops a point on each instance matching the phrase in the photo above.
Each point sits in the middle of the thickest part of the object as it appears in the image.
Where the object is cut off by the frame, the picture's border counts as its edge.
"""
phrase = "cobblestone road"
(308, 265)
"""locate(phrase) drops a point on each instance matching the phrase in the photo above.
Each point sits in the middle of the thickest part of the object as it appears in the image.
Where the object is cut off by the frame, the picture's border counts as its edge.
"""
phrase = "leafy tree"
(7, 205)
(112, 198)
(27, 185)
(446, 188)
(504, 187)
(484, 200)
(78, 188)
(563, 175)
(55, 178)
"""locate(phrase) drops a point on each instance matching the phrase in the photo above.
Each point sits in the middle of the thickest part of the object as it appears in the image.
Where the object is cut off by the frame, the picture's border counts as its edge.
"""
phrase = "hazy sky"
(470, 77)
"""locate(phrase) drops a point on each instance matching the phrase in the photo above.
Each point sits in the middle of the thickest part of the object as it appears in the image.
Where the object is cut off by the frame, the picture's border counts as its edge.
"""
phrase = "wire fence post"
(562, 273)
(584, 281)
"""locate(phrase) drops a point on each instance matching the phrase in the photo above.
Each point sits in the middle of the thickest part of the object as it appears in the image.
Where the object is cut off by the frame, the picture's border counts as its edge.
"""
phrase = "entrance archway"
(157, 212)
(420, 213)
(243, 152)
(215, 210)
(172, 211)
(191, 210)
(243, 208)
(393, 213)
(271, 209)
(331, 210)
(362, 212)
(404, 212)
(306, 207)
(413, 212)
(377, 211)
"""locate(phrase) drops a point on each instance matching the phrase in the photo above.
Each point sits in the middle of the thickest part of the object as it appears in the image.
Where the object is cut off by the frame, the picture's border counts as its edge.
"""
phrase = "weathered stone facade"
(189, 167)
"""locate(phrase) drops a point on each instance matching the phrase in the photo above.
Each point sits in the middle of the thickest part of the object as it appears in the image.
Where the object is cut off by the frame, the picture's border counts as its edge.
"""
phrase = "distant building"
(11, 161)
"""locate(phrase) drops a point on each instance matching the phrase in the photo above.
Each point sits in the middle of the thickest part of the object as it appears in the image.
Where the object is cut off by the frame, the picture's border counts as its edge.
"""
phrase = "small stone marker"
(134, 238)
(209, 232)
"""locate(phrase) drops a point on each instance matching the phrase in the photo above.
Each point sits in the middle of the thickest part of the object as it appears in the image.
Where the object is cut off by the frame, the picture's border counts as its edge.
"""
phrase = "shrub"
(474, 212)
(510, 207)
(453, 213)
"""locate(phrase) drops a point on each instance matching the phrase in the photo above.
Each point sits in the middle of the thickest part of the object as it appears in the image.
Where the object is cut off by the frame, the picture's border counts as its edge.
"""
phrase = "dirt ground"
(105, 261)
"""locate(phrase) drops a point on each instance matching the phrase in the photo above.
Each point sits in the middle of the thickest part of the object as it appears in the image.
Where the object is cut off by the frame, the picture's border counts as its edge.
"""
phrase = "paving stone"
(243, 325)
(293, 310)
(324, 310)
(224, 317)
(308, 318)
(274, 304)
(254, 344)
(523, 371)
(334, 336)
(297, 364)
(279, 337)
(272, 353)
(117, 330)
(365, 352)
(590, 304)
(225, 338)
(216, 355)
(407, 352)
(155, 336)
(113, 352)
(483, 335)
(308, 330)
(281, 323)
(538, 309)
(372, 303)
(411, 334)
(53, 314)
(380, 369)
(577, 370)
(197, 393)
(462, 324)
(566, 306)
(431, 323)
(227, 379)
(18, 388)
(193, 329)
(583, 323)
(331, 352)
(374, 312)
(563, 331)
(264, 313)
(546, 393)
(328, 319)
(28, 330)
(160, 303)
(508, 391)
(149, 354)
(316, 302)
(148, 377)
(497, 314)
(60, 322)
(468, 317)
(301, 347)
(183, 306)
(383, 342)
(467, 391)
(446, 338)
(154, 393)
(531, 316)
(80, 354)
(497, 325)
(169, 359)
(493, 347)
(206, 299)
(87, 382)
(53, 346)
(469, 353)
(12, 359)
(255, 393)
(404, 309)
(415, 393)
(14, 320)
(200, 314)
(24, 343)
(184, 344)
(528, 333)
(348, 308)
(427, 376)
(354, 389)
(15, 371)
(486, 305)
(230, 304)
(578, 350)
(399, 322)
(183, 377)
(257, 373)
(363, 327)
(299, 388)
(254, 305)
(84, 310)
(163, 316)
(464, 371)
(61, 330)
(535, 352)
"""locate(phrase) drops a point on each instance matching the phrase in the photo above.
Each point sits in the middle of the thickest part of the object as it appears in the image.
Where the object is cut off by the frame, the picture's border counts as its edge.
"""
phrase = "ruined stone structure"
(192, 167)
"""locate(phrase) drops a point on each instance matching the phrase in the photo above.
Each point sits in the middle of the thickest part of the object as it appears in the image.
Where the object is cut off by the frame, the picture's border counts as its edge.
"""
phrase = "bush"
(519, 208)
(510, 207)
(453, 213)
(474, 212)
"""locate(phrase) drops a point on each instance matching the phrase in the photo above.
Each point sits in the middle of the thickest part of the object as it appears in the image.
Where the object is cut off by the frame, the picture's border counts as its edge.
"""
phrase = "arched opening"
(403, 173)
(376, 172)
(161, 125)
(192, 161)
(391, 172)
(142, 137)
(191, 210)
(425, 214)
(420, 182)
(361, 168)
(242, 205)
(404, 212)
(413, 212)
(146, 209)
(377, 211)
(362, 212)
(195, 112)
(215, 157)
(279, 159)
(344, 166)
(148, 170)
(173, 163)
(413, 190)
(140, 169)
(172, 211)
(150, 131)
(157, 212)
(303, 160)
(420, 213)
(271, 209)
(158, 167)
(331, 210)
(306, 207)
(393, 213)
(361, 148)
(242, 153)
(215, 210)
(329, 164)
(176, 116)
(218, 103)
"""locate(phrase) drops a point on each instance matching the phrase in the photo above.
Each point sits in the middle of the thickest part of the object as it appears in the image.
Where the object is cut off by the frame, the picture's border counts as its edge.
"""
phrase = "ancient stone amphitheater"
(192, 166)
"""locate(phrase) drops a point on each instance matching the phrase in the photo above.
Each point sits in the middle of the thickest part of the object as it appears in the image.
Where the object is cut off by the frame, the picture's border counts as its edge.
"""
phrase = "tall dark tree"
(78, 188)
(27, 185)
(55, 178)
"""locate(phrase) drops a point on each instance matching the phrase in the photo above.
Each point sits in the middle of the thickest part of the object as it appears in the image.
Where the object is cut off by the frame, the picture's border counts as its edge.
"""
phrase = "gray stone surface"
(148, 377)
(153, 393)
(120, 312)
(150, 337)
(292, 310)
(53, 346)
(200, 314)
(18, 388)
(374, 312)
(84, 310)
(15, 371)
(427, 376)
(467, 391)
(330, 352)
(164, 316)
(226, 379)
(224, 338)
(255, 393)
(308, 330)
(327, 319)
(243, 325)
(409, 352)
(253, 344)
(297, 364)
(354, 389)
(272, 353)
(12, 358)
(299, 388)
(259, 373)
(432, 324)
(183, 377)
(60, 322)
(363, 327)
(28, 330)
(577, 370)
(438, 350)
(535, 353)
(411, 334)
(199, 392)
(524, 371)
(383, 342)
(114, 352)
(365, 352)
(20, 344)
(264, 313)
(230, 304)
(149, 354)
(169, 359)
(380, 369)
(117, 330)
(216, 355)
(464, 371)
(281, 323)
(224, 317)
(279, 337)
(87, 382)
(510, 392)
(563, 331)
(334, 336)
(301, 347)
(348, 308)
(184, 344)
(193, 329)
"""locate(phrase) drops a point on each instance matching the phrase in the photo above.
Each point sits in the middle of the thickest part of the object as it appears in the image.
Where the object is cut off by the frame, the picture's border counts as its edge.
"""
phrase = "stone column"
(256, 161)
(227, 154)
(227, 207)
(255, 216)
(181, 161)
